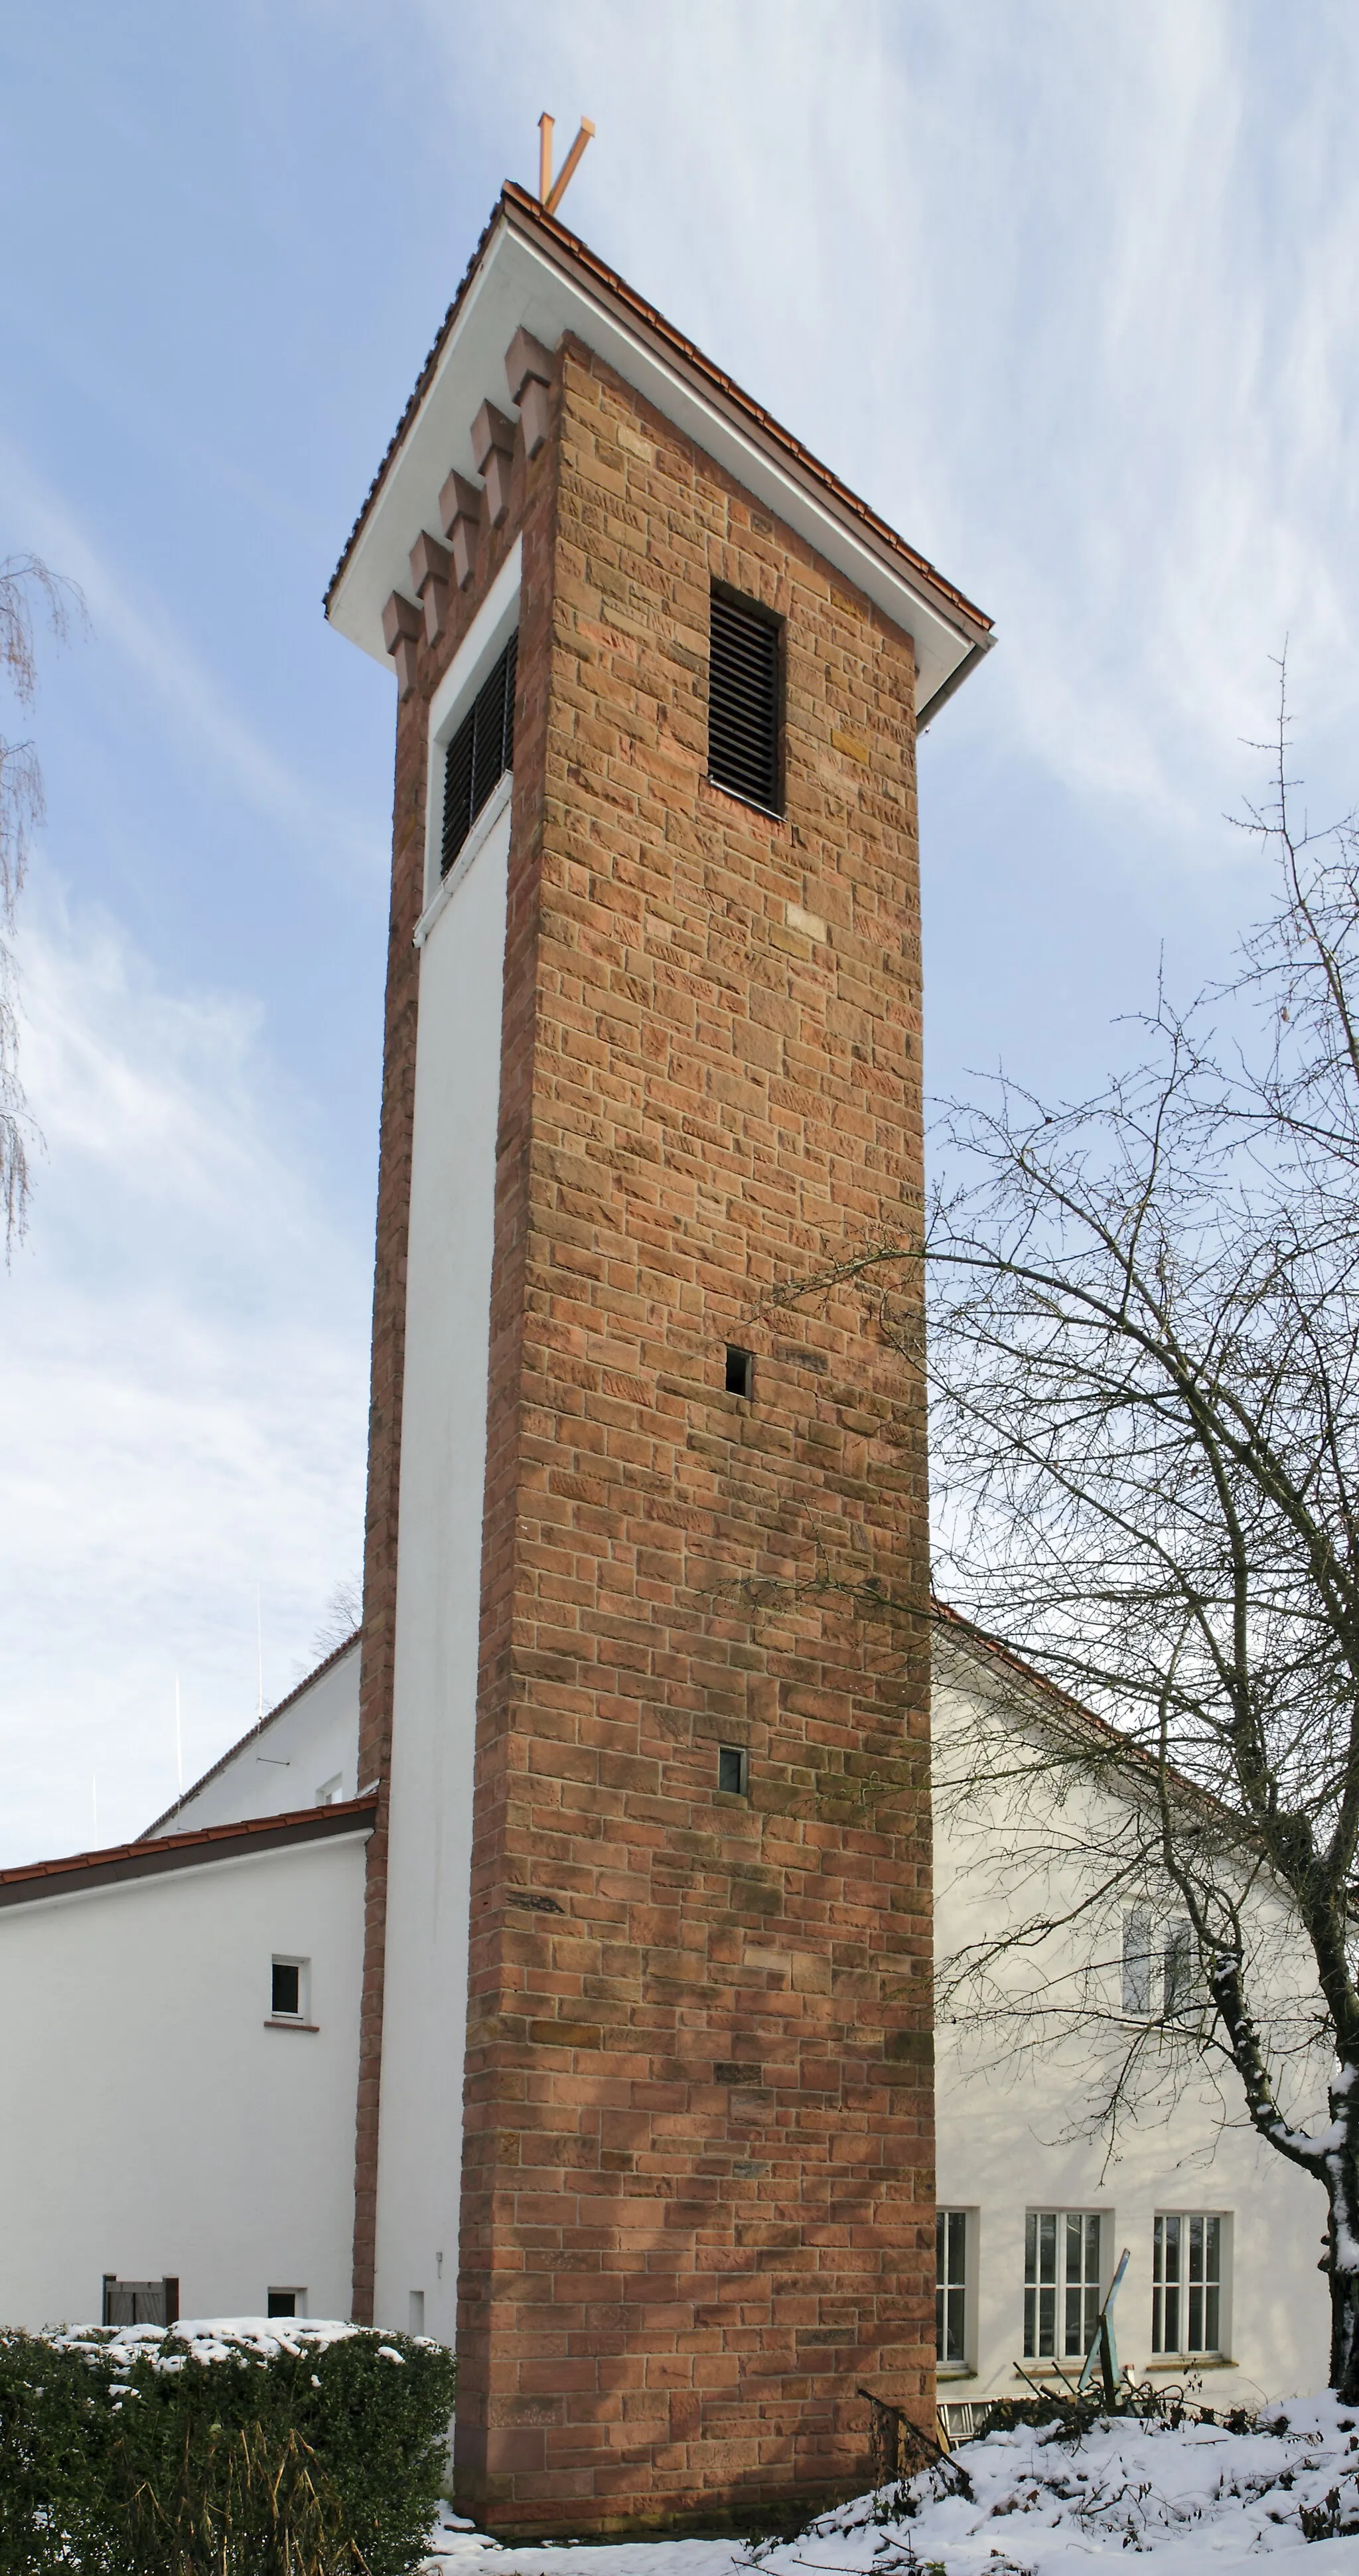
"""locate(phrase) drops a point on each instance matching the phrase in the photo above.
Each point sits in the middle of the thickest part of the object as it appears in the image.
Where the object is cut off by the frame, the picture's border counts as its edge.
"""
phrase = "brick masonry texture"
(698, 2167)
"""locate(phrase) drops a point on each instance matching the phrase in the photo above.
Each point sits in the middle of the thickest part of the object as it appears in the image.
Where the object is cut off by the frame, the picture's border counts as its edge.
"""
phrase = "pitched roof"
(1123, 1748)
(336, 1656)
(601, 276)
(76, 1872)
(564, 268)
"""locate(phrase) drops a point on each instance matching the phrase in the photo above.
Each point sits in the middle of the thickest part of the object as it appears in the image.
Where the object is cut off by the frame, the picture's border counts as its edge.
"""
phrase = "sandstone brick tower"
(645, 2079)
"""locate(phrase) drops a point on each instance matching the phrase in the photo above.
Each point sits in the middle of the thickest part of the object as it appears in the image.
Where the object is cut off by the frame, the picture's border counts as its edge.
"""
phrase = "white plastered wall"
(443, 1462)
(312, 1742)
(1005, 2142)
(150, 2121)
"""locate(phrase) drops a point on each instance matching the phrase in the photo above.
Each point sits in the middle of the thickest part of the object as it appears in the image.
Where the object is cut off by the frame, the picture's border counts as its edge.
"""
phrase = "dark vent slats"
(479, 754)
(743, 702)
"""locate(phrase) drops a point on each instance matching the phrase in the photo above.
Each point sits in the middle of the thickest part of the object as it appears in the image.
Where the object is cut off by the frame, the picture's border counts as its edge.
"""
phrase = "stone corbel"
(402, 628)
(528, 371)
(460, 511)
(430, 568)
(493, 449)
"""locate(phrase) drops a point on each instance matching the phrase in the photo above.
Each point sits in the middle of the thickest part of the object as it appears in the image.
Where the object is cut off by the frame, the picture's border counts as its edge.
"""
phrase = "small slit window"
(740, 1371)
(732, 1773)
(743, 701)
(479, 754)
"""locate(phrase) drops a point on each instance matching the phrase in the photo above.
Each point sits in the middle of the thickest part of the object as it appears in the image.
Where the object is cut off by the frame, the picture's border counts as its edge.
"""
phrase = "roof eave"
(760, 452)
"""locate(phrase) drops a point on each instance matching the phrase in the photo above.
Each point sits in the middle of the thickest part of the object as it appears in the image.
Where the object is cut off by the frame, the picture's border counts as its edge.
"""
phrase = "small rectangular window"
(743, 700)
(287, 1986)
(740, 1371)
(285, 2303)
(1186, 2272)
(330, 1790)
(731, 1770)
(950, 2294)
(1061, 2282)
(415, 2312)
(479, 754)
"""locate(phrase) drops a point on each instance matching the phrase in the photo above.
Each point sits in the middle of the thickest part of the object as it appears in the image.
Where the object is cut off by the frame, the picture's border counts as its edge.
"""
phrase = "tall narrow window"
(950, 2295)
(1186, 2273)
(479, 754)
(1061, 2282)
(1179, 1961)
(743, 701)
(1137, 1963)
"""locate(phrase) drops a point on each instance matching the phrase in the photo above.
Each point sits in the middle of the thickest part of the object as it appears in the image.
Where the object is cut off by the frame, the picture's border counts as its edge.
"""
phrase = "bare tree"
(1143, 1354)
(27, 589)
(343, 1618)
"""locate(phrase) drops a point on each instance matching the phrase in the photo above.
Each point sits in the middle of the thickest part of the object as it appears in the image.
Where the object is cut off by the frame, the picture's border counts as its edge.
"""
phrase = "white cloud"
(187, 1420)
(1066, 291)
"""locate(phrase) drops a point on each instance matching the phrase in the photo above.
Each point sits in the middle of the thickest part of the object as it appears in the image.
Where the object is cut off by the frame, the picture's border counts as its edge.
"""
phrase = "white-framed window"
(285, 2303)
(1063, 2273)
(289, 1989)
(330, 1790)
(1158, 1964)
(952, 2284)
(1188, 2247)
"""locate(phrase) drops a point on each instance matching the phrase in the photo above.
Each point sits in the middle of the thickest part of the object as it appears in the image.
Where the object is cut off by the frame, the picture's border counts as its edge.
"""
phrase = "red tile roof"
(76, 1872)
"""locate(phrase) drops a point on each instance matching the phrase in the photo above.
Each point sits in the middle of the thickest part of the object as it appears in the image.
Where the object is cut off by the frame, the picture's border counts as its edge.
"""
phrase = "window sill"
(953, 2371)
(476, 840)
(1182, 2361)
(288, 2021)
(732, 796)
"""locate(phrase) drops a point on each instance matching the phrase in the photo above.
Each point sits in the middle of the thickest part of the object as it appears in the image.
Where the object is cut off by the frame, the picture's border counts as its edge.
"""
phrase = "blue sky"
(1066, 290)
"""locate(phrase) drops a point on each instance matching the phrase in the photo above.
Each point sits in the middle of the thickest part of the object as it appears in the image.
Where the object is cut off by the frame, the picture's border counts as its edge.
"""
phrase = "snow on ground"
(1027, 2503)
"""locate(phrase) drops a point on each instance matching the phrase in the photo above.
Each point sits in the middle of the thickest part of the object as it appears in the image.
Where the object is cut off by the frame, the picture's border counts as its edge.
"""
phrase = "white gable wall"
(1005, 2142)
(150, 2122)
(285, 1763)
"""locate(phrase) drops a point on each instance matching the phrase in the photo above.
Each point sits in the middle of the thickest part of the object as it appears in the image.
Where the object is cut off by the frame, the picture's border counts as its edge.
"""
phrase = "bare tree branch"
(28, 591)
(1143, 1357)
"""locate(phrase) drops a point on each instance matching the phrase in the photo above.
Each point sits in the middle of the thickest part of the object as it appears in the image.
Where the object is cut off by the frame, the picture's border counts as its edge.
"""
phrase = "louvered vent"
(743, 701)
(479, 754)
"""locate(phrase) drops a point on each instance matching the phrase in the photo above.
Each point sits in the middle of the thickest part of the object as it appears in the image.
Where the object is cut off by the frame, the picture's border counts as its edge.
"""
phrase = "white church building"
(180, 2018)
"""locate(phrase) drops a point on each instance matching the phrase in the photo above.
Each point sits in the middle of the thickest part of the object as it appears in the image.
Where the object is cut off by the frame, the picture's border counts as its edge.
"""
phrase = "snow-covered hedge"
(247, 2447)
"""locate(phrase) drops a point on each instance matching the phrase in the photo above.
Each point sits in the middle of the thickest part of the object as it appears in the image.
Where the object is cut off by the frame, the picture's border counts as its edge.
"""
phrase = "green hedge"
(139, 2453)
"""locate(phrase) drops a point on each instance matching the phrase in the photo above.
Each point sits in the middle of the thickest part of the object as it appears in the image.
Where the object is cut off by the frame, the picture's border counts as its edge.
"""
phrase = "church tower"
(645, 2113)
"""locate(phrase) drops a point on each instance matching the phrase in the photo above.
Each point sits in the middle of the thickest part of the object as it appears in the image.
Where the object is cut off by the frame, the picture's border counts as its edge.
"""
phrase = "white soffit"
(517, 282)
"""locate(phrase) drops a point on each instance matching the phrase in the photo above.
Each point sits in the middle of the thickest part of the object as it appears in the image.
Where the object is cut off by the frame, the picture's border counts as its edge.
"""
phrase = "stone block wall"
(697, 2181)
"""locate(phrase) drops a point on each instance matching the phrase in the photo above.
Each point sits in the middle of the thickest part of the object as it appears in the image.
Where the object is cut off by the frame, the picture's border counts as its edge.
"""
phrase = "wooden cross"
(550, 195)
